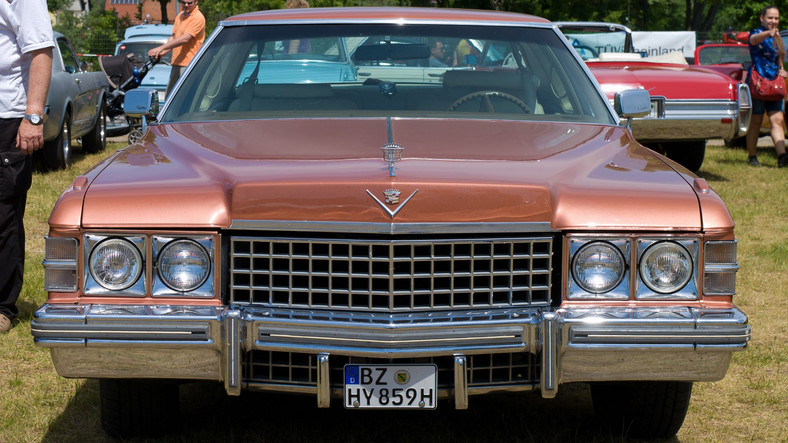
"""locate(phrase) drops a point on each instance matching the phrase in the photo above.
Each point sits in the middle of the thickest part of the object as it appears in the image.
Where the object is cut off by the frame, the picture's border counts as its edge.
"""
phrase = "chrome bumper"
(576, 344)
(687, 120)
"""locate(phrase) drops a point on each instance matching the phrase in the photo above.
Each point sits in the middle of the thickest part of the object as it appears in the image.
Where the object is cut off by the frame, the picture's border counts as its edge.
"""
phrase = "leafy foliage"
(94, 33)
(710, 19)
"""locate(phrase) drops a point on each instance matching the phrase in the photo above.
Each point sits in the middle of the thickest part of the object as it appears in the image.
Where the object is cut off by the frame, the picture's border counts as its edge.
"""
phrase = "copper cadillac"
(400, 234)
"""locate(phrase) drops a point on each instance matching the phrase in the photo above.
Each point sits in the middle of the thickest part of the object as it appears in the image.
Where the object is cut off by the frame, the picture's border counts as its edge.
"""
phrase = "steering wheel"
(486, 105)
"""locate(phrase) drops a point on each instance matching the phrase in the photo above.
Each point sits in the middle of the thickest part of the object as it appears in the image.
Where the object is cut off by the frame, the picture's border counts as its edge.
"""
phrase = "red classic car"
(689, 104)
(732, 59)
(392, 241)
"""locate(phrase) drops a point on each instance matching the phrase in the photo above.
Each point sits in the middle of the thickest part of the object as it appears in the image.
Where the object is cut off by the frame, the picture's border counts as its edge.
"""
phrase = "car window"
(495, 72)
(140, 49)
(298, 60)
(713, 55)
(70, 63)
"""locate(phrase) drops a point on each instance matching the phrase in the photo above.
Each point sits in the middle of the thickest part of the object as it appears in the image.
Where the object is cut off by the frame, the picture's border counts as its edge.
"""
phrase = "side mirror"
(632, 103)
(142, 104)
(139, 103)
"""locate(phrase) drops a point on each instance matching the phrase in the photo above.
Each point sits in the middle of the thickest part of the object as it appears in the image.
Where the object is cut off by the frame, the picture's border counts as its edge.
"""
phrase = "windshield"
(721, 54)
(276, 71)
(589, 44)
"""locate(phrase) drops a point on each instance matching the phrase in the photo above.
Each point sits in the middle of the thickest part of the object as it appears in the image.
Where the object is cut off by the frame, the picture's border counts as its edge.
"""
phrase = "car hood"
(157, 77)
(676, 82)
(572, 176)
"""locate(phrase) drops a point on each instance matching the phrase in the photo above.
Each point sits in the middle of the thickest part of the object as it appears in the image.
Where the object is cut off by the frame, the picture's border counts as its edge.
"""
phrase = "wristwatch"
(34, 119)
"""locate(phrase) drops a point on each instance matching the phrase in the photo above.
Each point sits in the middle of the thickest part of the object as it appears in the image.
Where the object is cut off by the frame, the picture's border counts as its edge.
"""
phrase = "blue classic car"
(138, 40)
(75, 107)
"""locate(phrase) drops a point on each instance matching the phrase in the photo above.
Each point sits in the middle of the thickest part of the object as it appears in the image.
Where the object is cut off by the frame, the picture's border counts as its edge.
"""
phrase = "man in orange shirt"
(188, 35)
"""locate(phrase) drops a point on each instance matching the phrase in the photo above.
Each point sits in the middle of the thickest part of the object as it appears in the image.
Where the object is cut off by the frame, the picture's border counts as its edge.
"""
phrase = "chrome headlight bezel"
(632, 286)
(617, 290)
(162, 288)
(94, 285)
(688, 289)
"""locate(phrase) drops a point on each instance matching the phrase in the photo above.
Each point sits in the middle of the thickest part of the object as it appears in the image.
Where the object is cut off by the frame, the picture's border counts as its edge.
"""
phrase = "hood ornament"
(392, 153)
(392, 197)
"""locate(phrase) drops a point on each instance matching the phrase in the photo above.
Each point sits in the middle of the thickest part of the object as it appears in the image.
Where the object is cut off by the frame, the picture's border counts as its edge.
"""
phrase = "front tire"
(56, 154)
(138, 408)
(687, 154)
(738, 142)
(96, 139)
(646, 409)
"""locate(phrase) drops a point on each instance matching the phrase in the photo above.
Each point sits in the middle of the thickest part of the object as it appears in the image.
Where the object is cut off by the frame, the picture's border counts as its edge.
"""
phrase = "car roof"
(593, 26)
(150, 31)
(145, 39)
(382, 14)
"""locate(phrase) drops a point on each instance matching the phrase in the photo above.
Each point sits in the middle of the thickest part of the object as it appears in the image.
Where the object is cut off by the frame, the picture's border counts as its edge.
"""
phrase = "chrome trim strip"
(549, 378)
(745, 109)
(323, 382)
(690, 120)
(59, 264)
(395, 335)
(392, 228)
(388, 21)
(443, 394)
(232, 351)
(663, 328)
(721, 268)
(460, 382)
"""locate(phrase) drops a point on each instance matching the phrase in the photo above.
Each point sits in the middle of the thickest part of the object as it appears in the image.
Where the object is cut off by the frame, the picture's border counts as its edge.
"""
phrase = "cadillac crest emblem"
(392, 196)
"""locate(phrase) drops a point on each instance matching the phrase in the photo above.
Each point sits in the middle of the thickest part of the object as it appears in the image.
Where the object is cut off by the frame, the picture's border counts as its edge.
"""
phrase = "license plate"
(391, 386)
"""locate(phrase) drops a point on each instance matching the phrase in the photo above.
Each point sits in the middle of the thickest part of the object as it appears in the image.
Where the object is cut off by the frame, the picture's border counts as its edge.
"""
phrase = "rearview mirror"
(392, 51)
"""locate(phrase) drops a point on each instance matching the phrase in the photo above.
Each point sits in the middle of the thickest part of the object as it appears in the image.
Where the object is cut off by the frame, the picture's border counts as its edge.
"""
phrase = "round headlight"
(184, 265)
(115, 264)
(666, 267)
(598, 267)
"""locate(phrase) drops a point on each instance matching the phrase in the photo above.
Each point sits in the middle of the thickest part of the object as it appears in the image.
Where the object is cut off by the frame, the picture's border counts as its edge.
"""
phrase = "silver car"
(75, 107)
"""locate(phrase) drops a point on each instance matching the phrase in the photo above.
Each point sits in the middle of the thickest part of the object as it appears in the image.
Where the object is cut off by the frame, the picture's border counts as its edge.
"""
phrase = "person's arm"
(31, 137)
(169, 45)
(757, 39)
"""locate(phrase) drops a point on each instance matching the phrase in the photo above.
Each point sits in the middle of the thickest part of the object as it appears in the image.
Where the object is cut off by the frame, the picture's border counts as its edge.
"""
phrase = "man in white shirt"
(25, 66)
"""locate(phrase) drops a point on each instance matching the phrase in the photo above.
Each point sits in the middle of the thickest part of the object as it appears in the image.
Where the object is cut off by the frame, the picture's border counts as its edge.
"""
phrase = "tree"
(56, 6)
(163, 8)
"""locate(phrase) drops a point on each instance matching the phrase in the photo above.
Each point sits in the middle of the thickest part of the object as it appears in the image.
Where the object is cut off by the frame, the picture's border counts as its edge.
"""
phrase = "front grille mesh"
(486, 370)
(390, 275)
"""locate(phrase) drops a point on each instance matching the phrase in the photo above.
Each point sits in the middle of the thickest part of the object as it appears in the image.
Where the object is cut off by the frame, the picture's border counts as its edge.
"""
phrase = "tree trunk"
(163, 5)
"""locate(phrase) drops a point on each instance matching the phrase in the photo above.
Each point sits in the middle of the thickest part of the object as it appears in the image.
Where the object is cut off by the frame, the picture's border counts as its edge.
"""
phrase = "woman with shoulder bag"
(766, 79)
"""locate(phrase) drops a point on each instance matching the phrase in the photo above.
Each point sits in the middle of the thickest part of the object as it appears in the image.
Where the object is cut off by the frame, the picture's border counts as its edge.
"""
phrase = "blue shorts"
(760, 106)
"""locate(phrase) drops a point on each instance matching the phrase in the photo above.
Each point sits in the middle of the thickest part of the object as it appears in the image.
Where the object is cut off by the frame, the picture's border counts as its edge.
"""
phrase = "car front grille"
(485, 370)
(390, 275)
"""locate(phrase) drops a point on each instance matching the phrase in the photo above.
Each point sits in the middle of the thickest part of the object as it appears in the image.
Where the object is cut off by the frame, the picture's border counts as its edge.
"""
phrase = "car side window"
(70, 64)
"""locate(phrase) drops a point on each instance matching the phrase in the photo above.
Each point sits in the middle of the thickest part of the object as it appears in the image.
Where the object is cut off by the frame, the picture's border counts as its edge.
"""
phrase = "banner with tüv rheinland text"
(663, 42)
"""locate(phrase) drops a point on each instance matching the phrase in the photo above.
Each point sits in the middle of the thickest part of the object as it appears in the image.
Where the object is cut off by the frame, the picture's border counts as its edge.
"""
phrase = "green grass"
(748, 405)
